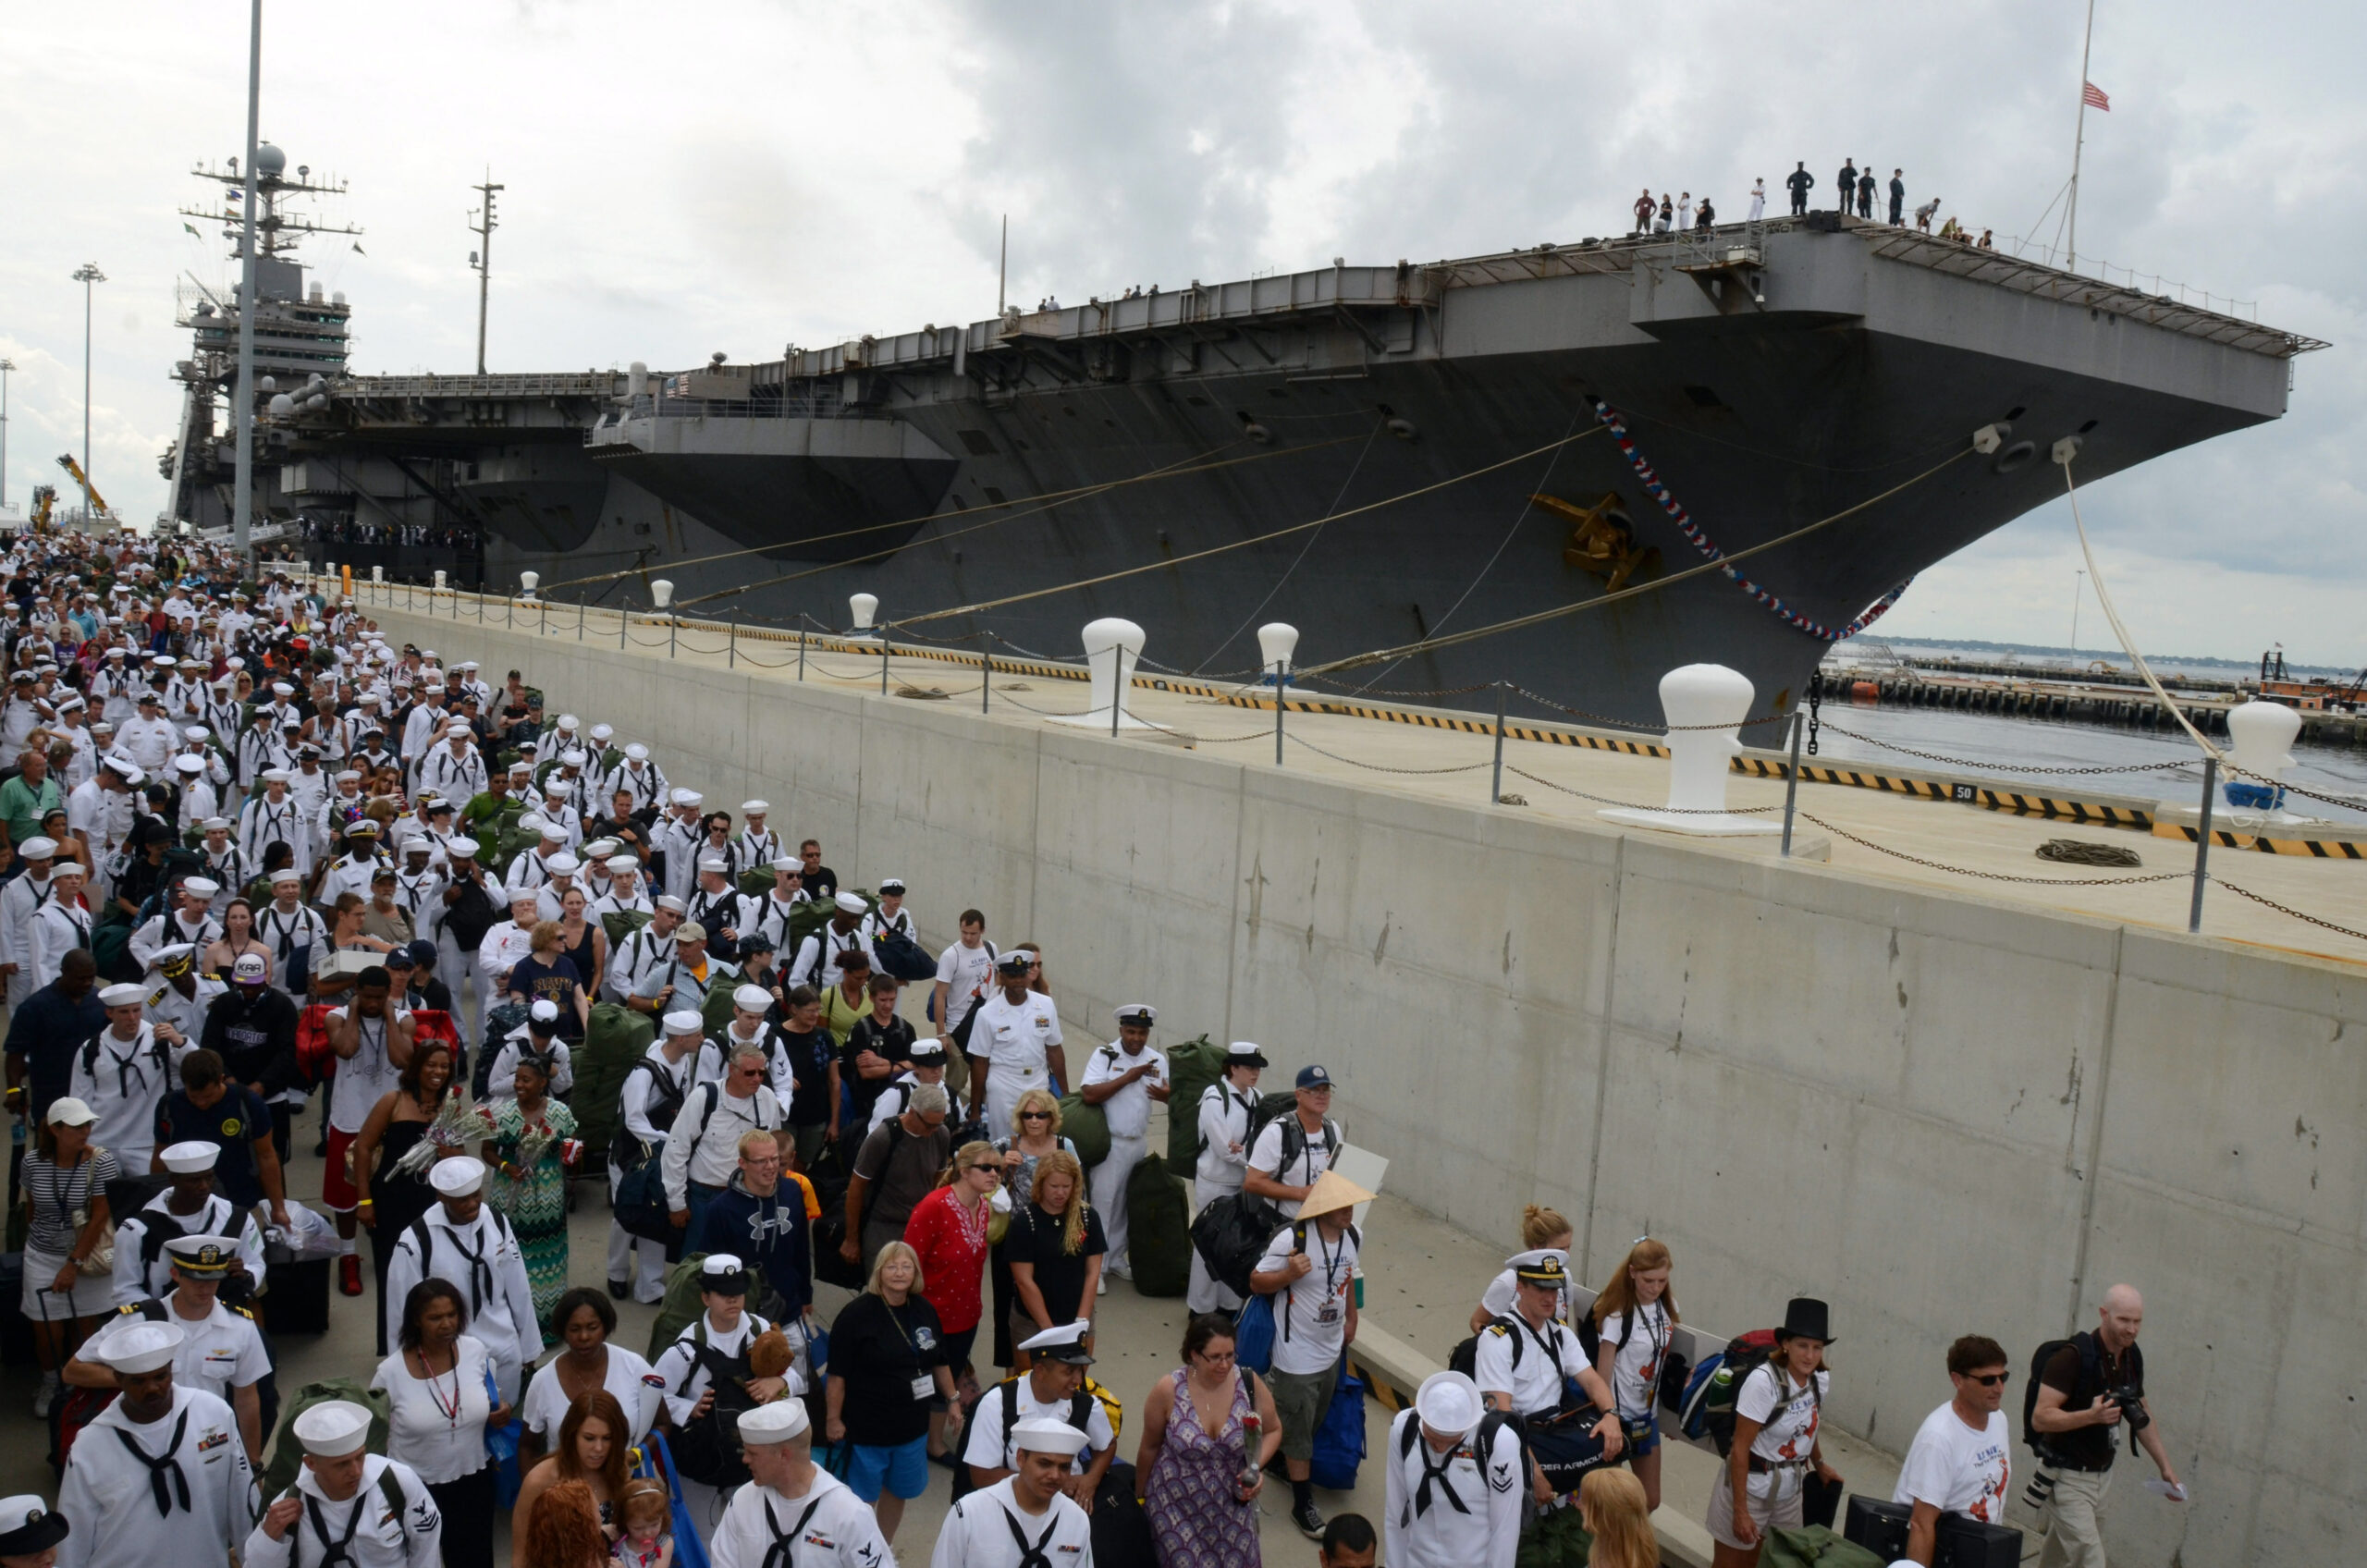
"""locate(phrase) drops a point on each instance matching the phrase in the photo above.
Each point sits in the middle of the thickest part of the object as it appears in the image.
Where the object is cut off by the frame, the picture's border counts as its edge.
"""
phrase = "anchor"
(1602, 540)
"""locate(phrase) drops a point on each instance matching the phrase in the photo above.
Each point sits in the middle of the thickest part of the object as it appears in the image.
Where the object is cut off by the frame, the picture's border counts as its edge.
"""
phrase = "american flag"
(2094, 96)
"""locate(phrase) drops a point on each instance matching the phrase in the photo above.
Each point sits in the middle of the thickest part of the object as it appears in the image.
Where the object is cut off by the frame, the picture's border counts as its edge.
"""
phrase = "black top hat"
(1804, 1317)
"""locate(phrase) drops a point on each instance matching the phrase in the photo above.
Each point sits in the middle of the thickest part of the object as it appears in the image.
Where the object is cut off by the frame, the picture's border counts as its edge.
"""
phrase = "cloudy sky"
(736, 175)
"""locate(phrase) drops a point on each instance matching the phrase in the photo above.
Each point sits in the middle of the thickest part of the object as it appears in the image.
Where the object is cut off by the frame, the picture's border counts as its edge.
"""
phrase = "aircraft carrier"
(1767, 377)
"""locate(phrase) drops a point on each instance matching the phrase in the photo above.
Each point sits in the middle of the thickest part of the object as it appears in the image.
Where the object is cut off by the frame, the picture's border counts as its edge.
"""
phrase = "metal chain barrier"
(1633, 805)
(1994, 875)
(1648, 728)
(1379, 767)
(2018, 767)
(2287, 908)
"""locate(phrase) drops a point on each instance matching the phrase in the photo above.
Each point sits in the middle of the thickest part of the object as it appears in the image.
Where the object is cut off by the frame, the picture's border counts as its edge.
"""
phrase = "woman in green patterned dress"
(531, 1147)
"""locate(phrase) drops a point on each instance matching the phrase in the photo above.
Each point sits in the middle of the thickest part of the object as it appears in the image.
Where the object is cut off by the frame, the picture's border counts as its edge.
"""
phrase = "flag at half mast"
(2094, 96)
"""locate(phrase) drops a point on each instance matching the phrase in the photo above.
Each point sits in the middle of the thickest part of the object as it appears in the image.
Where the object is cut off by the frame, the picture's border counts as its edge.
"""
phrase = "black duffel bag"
(899, 955)
(641, 1207)
(1231, 1233)
(1563, 1444)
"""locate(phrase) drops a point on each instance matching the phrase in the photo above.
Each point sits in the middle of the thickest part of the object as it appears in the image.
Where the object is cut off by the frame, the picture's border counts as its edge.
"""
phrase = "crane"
(97, 502)
(45, 497)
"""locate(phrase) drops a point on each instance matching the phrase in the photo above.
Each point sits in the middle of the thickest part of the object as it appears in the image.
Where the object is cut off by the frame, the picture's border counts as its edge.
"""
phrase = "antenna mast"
(481, 258)
(2079, 137)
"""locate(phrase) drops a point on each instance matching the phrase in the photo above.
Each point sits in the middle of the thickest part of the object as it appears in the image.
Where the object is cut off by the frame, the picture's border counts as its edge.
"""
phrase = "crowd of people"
(353, 530)
(1857, 191)
(265, 869)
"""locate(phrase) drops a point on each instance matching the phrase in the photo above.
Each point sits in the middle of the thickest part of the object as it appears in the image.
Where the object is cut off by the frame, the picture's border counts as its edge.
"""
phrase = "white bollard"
(527, 582)
(1112, 647)
(2260, 734)
(860, 608)
(1277, 641)
(1699, 759)
(439, 580)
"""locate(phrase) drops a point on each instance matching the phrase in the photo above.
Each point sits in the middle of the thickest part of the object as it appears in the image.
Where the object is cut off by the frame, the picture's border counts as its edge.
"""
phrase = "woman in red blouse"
(949, 1230)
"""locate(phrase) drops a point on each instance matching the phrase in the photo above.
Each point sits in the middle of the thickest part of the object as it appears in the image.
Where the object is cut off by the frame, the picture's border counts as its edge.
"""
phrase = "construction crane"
(96, 503)
(45, 497)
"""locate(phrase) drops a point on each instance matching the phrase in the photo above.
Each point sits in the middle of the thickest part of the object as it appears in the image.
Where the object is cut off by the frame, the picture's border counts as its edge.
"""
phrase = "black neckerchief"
(481, 1280)
(167, 1464)
(341, 1550)
(783, 1553)
(1431, 1473)
(1031, 1556)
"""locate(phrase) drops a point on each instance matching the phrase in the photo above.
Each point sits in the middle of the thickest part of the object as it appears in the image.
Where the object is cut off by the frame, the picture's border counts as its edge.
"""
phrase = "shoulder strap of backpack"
(392, 1490)
(1009, 1410)
(1080, 1409)
(419, 1239)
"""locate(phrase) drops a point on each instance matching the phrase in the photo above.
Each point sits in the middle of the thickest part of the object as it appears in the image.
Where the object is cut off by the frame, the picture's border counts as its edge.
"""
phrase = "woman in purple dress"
(1208, 1431)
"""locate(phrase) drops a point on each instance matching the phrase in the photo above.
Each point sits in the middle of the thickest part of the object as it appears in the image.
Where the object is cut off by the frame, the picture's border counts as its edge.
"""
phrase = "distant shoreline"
(2111, 655)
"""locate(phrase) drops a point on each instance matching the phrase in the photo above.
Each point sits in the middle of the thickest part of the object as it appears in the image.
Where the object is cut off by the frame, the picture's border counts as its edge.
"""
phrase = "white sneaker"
(46, 1396)
(1100, 1290)
(1123, 1270)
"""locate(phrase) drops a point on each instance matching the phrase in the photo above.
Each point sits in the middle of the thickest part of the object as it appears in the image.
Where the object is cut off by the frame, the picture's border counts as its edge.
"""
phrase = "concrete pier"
(1945, 1112)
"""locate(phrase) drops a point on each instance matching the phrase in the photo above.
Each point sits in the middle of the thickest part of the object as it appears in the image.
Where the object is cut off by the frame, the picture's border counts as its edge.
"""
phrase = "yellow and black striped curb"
(2221, 838)
(1988, 796)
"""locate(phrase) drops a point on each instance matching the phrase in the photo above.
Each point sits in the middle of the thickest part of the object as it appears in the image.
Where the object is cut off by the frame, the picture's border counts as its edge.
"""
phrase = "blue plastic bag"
(655, 1459)
(1253, 1334)
(501, 1442)
(1340, 1440)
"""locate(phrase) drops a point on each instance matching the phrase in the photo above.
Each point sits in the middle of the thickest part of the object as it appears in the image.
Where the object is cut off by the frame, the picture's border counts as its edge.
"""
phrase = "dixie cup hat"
(190, 1156)
(779, 1422)
(1449, 1404)
(683, 1024)
(852, 904)
(458, 1176)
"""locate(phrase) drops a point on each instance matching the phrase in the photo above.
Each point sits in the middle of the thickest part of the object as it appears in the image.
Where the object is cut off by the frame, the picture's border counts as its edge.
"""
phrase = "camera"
(2040, 1488)
(2131, 1401)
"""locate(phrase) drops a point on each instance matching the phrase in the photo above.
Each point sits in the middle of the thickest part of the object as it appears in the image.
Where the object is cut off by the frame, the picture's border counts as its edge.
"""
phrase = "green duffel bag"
(1158, 1230)
(1086, 1127)
(1191, 1068)
(756, 881)
(1815, 1547)
(1556, 1540)
(622, 922)
(716, 1013)
(287, 1452)
(810, 917)
(615, 1039)
(680, 1306)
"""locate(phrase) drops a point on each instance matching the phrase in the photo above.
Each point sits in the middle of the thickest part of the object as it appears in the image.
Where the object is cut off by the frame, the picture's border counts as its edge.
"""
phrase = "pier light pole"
(483, 259)
(242, 488)
(87, 275)
(2078, 583)
(5, 366)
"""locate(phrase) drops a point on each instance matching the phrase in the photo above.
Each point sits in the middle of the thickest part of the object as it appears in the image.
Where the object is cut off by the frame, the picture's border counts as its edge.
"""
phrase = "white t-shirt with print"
(1311, 1313)
(1957, 1469)
(1788, 1434)
(1635, 1372)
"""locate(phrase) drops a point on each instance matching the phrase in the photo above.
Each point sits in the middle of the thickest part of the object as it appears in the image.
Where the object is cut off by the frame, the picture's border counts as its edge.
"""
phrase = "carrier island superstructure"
(1769, 375)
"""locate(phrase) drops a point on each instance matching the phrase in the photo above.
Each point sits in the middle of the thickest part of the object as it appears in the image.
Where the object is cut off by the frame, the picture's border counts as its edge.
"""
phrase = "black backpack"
(2092, 1376)
(1080, 1413)
(1281, 1106)
(470, 915)
(708, 1450)
(1482, 1443)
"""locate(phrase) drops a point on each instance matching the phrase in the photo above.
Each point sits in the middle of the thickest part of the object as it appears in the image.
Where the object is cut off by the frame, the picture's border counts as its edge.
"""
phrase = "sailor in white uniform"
(275, 817)
(646, 950)
(1454, 1481)
(221, 1350)
(1024, 1520)
(122, 1072)
(1014, 1042)
(59, 926)
(191, 921)
(159, 1477)
(144, 1239)
(28, 1527)
(462, 1241)
(653, 1093)
(793, 1513)
(726, 1327)
(348, 1506)
(1123, 1079)
(19, 899)
(757, 844)
(1052, 1389)
(1224, 1155)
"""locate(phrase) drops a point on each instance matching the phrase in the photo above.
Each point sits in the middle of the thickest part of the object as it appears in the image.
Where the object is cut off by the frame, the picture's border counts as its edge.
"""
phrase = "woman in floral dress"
(531, 1140)
(1207, 1427)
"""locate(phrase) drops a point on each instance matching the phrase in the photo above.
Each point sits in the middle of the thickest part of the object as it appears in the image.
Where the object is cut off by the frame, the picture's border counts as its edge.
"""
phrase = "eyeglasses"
(988, 1170)
(1988, 1379)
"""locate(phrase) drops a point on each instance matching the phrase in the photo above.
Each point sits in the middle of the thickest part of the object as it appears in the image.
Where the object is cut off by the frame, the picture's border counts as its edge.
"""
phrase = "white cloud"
(740, 174)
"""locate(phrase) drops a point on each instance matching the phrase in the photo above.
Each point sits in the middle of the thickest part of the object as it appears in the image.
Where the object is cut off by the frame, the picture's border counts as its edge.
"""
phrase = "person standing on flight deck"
(1758, 199)
(1645, 207)
(1897, 198)
(1800, 183)
(1849, 192)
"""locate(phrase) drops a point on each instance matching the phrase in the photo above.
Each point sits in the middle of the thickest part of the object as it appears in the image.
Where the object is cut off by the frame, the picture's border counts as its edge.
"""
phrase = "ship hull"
(1167, 483)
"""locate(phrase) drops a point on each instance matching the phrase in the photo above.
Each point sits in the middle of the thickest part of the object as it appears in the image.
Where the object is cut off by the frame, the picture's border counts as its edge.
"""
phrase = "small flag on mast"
(192, 230)
(2094, 97)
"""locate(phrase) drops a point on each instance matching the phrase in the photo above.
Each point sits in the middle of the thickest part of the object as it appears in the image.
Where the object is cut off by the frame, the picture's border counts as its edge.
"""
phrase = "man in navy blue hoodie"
(767, 1225)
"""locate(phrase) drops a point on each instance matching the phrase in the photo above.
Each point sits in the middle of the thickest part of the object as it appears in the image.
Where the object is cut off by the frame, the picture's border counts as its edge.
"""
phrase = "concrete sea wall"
(1943, 1115)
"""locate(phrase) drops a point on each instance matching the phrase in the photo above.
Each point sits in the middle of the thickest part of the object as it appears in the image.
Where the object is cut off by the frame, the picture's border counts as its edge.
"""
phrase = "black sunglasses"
(1987, 1379)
